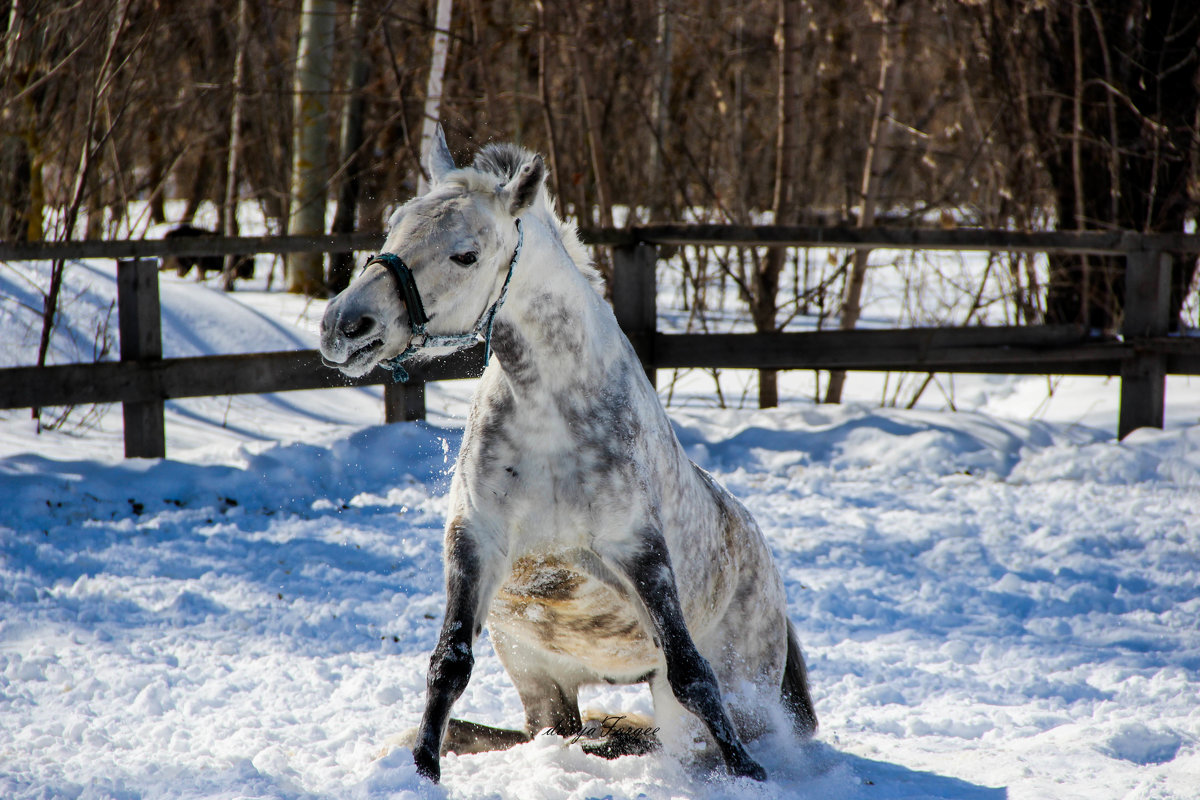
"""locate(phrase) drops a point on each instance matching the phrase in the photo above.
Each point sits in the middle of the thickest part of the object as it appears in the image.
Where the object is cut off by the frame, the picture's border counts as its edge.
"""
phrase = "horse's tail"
(795, 696)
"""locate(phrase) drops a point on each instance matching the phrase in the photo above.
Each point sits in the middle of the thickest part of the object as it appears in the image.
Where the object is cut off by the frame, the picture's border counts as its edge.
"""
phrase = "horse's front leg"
(471, 579)
(689, 674)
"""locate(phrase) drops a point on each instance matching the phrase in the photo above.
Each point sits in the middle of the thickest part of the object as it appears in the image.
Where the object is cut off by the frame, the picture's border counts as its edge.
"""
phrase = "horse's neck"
(554, 332)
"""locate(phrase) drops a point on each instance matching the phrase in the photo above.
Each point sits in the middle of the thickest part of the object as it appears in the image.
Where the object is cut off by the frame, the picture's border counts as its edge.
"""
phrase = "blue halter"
(418, 319)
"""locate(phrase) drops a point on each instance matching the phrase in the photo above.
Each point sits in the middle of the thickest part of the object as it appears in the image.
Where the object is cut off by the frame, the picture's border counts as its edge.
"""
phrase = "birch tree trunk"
(874, 168)
(433, 89)
(310, 137)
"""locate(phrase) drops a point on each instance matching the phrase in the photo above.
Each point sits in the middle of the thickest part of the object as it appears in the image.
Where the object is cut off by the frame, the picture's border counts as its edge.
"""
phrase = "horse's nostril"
(359, 327)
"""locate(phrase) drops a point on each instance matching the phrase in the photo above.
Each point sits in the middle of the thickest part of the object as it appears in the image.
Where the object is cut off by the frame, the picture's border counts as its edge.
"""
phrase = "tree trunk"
(17, 131)
(764, 286)
(17, 167)
(660, 113)
(156, 178)
(874, 168)
(547, 109)
(36, 215)
(310, 138)
(229, 218)
(93, 228)
(591, 133)
(198, 186)
(341, 265)
(433, 89)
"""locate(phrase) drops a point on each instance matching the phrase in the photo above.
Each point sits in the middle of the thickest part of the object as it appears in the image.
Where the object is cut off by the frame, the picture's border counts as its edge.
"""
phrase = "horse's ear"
(440, 162)
(523, 188)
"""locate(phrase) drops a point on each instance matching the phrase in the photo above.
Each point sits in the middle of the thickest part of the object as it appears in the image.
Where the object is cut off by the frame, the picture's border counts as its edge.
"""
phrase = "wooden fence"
(142, 380)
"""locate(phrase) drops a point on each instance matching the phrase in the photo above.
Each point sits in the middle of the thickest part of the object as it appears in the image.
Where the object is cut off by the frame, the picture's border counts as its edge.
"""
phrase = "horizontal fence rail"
(204, 376)
(1050, 350)
(985, 239)
(975, 239)
(1082, 242)
(1028, 351)
(142, 380)
(190, 246)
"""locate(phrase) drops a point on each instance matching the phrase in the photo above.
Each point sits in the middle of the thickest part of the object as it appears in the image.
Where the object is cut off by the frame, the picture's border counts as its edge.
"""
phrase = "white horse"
(578, 528)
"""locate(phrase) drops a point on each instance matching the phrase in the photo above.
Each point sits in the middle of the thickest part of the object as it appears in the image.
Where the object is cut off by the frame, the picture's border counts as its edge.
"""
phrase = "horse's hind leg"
(552, 703)
(796, 698)
(616, 735)
(464, 738)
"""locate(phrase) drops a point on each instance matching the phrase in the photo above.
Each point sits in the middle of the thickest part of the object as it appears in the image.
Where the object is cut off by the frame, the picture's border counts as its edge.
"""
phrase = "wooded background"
(1024, 114)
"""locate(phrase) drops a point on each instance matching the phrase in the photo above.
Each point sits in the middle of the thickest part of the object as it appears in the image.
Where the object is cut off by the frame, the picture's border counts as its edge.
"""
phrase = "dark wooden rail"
(1092, 242)
(142, 380)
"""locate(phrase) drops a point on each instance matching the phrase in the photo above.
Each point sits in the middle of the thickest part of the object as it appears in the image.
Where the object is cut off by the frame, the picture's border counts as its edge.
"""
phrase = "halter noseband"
(418, 320)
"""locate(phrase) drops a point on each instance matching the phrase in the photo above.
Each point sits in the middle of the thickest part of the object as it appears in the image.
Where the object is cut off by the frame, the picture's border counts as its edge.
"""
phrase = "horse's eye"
(466, 259)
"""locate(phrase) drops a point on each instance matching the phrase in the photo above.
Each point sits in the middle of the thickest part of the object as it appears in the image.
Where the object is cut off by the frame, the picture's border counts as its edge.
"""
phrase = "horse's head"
(457, 242)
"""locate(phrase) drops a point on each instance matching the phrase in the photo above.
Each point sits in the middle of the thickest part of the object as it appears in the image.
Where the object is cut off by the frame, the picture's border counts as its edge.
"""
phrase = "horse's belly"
(549, 605)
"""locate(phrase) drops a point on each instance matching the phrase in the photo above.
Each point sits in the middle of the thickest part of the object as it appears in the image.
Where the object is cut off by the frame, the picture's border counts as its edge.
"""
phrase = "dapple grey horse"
(578, 528)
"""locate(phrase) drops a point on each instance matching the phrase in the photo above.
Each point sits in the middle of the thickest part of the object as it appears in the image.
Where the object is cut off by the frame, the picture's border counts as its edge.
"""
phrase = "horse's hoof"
(747, 767)
(427, 765)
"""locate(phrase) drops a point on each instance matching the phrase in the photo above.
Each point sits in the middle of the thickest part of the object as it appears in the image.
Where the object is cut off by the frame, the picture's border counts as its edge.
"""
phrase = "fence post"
(140, 325)
(634, 301)
(1147, 311)
(404, 402)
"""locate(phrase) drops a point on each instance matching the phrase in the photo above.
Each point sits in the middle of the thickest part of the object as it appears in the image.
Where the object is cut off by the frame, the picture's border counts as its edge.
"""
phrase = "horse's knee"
(450, 669)
(693, 681)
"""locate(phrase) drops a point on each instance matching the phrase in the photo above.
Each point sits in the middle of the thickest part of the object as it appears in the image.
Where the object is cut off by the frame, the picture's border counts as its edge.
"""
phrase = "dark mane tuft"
(501, 159)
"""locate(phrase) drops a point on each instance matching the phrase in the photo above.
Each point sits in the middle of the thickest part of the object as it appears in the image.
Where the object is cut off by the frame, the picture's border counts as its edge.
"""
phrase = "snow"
(997, 602)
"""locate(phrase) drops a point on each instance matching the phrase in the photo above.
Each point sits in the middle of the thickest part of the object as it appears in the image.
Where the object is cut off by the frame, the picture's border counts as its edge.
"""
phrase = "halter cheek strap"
(406, 285)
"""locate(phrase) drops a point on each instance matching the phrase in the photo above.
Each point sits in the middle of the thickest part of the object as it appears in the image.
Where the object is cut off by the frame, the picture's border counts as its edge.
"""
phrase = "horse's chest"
(564, 496)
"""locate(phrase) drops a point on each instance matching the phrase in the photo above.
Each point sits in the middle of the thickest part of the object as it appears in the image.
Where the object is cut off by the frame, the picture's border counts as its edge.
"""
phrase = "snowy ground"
(1000, 602)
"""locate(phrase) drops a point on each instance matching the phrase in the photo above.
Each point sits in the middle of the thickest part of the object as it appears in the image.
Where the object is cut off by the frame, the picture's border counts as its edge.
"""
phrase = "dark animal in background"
(243, 265)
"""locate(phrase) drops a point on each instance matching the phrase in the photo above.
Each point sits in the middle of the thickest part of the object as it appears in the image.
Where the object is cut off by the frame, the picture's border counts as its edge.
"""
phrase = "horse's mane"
(502, 161)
